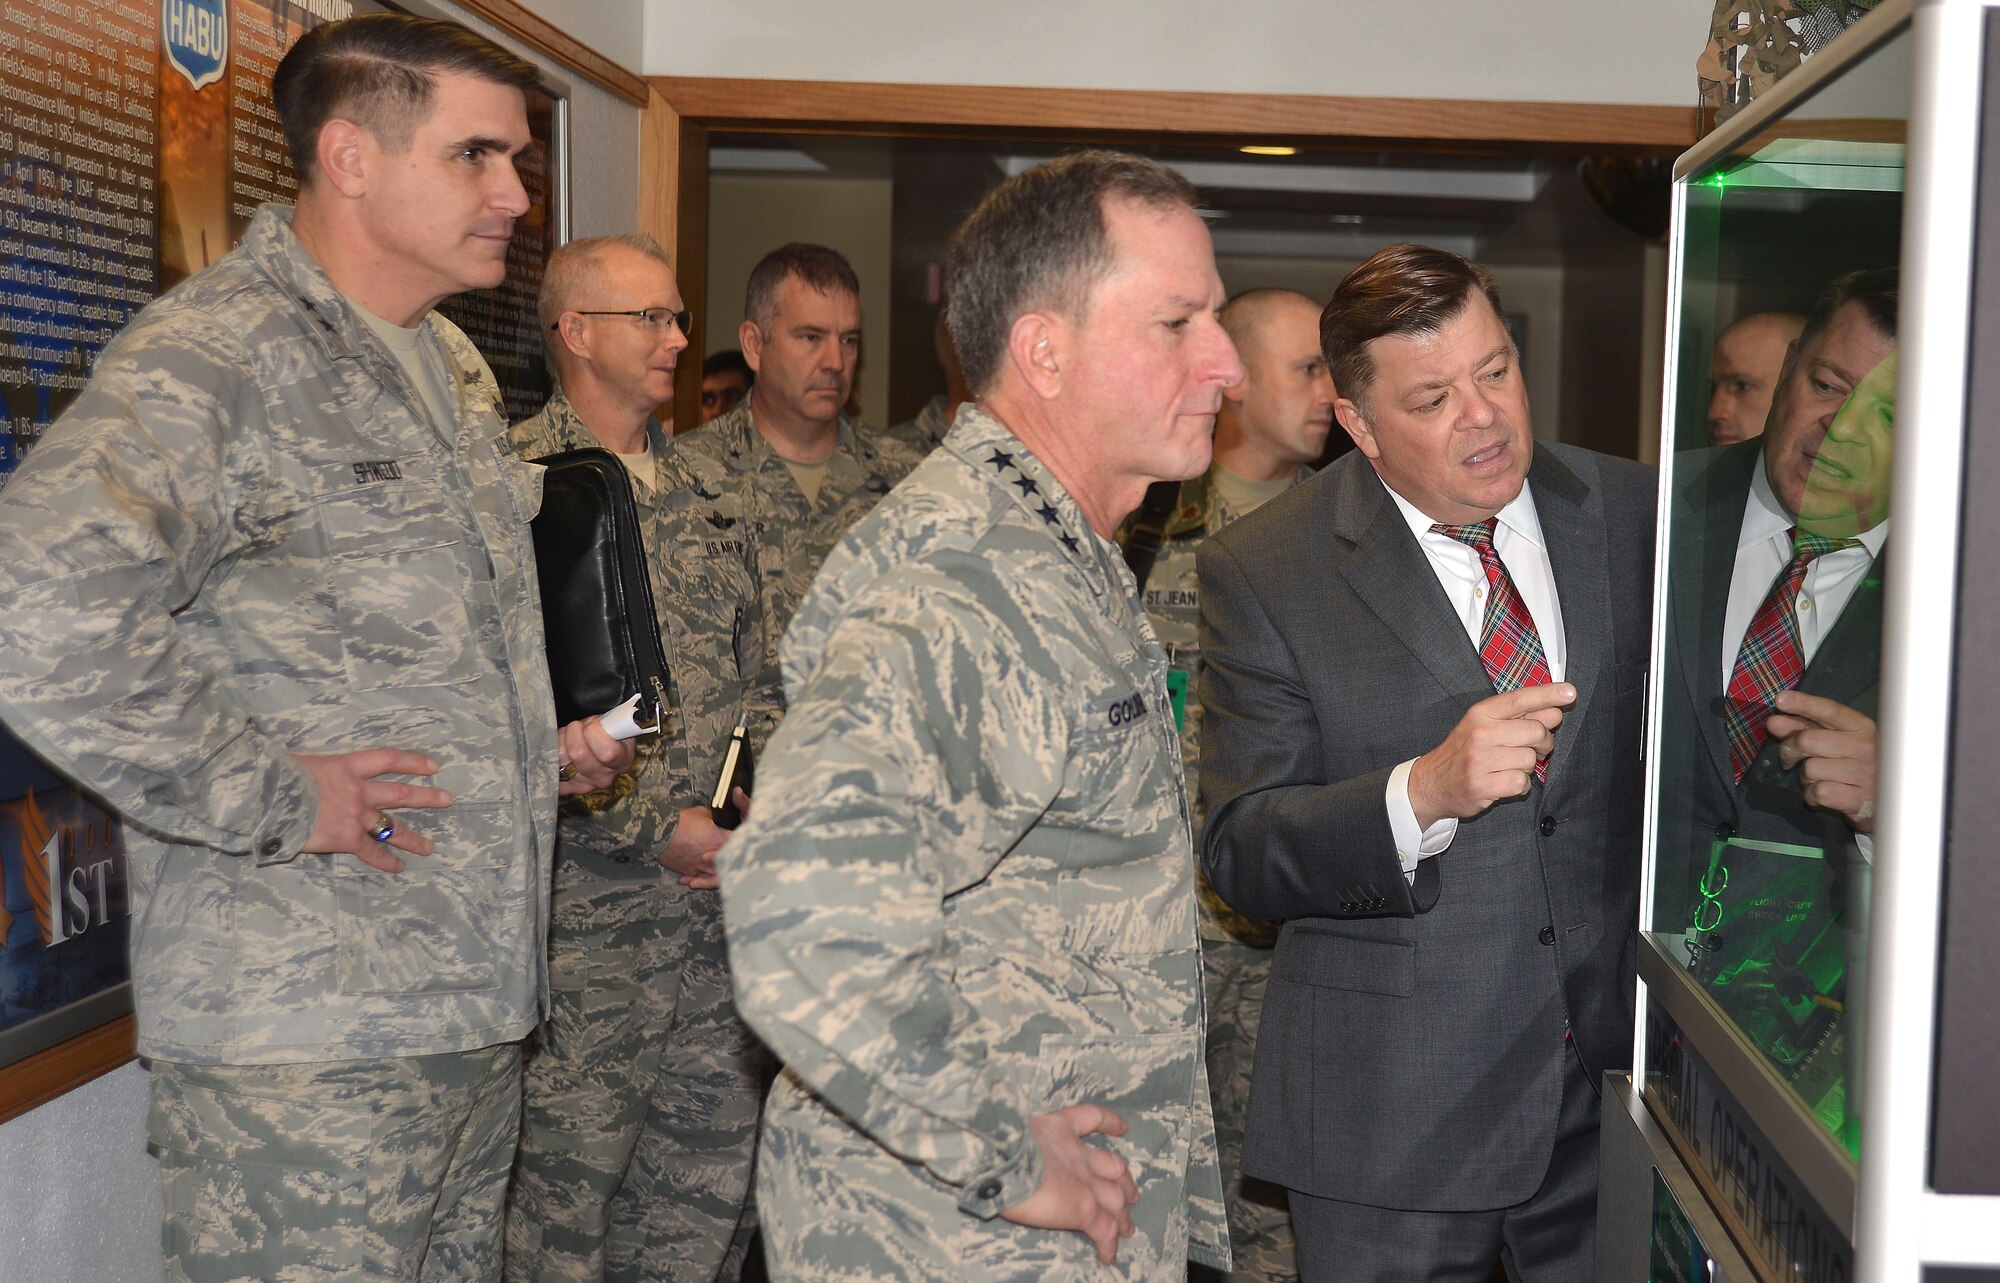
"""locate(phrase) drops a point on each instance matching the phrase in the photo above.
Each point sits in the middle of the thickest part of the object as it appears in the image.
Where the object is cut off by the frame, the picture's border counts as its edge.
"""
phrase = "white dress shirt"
(1517, 539)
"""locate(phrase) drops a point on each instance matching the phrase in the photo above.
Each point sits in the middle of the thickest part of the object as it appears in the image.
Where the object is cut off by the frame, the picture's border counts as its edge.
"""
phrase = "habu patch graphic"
(196, 33)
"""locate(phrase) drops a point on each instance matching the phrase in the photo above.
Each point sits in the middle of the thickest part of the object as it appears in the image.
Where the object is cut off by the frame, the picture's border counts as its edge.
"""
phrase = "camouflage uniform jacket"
(966, 894)
(925, 432)
(1173, 606)
(711, 624)
(791, 537)
(245, 537)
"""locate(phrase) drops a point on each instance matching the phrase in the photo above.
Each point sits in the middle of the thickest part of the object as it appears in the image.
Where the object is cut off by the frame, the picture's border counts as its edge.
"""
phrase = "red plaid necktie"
(1770, 660)
(1509, 646)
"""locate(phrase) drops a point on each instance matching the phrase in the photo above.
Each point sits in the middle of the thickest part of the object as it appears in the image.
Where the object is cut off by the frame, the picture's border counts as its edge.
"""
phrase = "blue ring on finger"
(384, 831)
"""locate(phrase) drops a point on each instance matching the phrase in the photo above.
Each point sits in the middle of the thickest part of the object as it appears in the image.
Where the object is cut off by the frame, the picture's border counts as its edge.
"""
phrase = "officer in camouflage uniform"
(639, 1119)
(963, 911)
(275, 545)
(1270, 429)
(804, 470)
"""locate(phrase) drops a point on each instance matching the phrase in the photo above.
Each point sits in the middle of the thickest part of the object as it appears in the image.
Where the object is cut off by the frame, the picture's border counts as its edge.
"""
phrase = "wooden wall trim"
(1294, 118)
(46, 1075)
(545, 37)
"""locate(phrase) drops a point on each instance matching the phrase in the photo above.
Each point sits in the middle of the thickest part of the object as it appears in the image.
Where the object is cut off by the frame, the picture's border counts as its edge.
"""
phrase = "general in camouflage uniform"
(641, 1097)
(963, 911)
(789, 534)
(1235, 951)
(261, 553)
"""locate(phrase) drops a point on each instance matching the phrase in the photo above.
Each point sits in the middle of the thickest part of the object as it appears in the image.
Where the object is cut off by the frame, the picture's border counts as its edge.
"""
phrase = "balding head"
(1743, 372)
(1276, 420)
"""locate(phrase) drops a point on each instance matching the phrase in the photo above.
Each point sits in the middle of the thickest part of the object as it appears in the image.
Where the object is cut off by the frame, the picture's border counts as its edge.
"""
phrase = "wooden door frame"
(682, 112)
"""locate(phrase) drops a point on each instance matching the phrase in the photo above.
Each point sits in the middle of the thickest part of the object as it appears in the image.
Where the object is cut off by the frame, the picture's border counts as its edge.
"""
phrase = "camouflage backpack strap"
(1149, 528)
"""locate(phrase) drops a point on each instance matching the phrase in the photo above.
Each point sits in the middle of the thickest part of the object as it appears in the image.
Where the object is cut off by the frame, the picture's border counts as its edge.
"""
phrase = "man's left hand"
(1834, 748)
(598, 758)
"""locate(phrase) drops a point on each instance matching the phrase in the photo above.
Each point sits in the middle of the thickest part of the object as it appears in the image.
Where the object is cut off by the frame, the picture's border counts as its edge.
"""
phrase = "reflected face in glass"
(1847, 491)
(1447, 423)
(720, 393)
(805, 364)
(1742, 374)
(1819, 378)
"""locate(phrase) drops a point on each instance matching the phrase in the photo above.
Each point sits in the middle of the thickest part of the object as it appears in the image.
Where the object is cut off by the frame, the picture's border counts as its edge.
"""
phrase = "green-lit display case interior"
(1763, 858)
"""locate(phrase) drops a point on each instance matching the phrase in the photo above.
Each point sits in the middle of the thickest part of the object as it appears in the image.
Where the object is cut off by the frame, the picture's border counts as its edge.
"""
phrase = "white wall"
(1527, 50)
(611, 28)
(80, 1203)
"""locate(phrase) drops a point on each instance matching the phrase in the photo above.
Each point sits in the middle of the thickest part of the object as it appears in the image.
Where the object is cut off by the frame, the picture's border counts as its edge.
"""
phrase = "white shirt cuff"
(1412, 843)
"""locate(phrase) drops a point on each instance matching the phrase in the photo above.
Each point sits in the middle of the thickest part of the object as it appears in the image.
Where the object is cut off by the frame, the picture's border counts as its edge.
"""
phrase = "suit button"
(1548, 935)
(989, 1191)
(1725, 831)
(1548, 825)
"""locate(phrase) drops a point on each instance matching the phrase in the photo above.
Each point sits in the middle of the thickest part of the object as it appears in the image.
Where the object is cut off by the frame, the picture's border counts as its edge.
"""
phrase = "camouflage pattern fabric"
(639, 1120)
(247, 536)
(346, 1170)
(1236, 951)
(925, 432)
(966, 895)
(790, 538)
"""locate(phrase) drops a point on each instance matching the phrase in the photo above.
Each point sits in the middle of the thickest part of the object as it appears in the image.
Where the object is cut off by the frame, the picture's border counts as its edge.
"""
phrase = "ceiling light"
(1268, 150)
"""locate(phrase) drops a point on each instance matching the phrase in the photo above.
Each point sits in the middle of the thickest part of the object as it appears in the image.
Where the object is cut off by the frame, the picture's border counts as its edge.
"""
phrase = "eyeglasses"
(656, 319)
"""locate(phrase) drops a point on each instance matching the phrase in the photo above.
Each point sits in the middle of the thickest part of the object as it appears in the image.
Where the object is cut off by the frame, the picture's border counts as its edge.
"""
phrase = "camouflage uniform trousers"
(1235, 975)
(642, 1095)
(336, 1171)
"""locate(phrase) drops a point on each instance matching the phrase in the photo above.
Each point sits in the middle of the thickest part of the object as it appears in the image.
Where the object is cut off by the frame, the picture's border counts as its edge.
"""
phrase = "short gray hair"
(826, 270)
(576, 270)
(1039, 240)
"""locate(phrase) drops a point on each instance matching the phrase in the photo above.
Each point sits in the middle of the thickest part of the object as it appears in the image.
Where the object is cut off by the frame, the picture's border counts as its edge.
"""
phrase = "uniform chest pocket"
(1121, 764)
(396, 571)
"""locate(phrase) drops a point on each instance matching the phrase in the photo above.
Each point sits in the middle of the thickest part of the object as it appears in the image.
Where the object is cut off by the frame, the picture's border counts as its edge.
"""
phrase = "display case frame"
(1879, 1217)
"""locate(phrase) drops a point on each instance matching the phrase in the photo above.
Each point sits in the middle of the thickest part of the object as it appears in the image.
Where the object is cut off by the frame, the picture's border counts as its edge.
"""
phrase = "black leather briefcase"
(597, 602)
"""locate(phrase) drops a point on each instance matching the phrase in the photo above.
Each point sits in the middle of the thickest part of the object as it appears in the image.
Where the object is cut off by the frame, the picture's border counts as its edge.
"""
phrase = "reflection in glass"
(1774, 557)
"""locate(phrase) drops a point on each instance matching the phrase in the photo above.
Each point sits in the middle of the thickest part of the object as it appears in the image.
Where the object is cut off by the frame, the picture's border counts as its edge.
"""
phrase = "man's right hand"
(353, 800)
(691, 851)
(1083, 1187)
(1490, 755)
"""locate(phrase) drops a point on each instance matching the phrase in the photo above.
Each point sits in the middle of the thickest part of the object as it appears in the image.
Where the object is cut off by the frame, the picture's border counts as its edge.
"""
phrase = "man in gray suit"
(1424, 675)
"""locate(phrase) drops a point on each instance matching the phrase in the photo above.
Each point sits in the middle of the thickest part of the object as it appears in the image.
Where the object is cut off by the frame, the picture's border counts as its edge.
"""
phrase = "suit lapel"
(1572, 520)
(1394, 579)
(1848, 664)
(1712, 507)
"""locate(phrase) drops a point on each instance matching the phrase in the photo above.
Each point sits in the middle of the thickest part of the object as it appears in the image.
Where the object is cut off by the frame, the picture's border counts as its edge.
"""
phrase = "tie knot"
(1807, 546)
(1479, 534)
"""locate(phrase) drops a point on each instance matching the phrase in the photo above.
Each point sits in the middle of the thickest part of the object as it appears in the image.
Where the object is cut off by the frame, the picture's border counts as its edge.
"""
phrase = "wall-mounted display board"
(137, 140)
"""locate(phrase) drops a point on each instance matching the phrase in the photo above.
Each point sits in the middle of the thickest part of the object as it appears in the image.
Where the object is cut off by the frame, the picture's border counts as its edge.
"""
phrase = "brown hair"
(1401, 290)
(377, 69)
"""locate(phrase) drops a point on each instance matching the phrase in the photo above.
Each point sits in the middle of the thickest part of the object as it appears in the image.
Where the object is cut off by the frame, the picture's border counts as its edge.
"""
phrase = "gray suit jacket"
(1412, 1043)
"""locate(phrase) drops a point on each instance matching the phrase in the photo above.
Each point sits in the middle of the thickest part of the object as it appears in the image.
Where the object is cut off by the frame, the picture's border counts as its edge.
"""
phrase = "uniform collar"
(1011, 468)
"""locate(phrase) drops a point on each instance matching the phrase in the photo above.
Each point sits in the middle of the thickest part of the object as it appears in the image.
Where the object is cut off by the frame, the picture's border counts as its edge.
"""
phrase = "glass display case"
(1807, 746)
